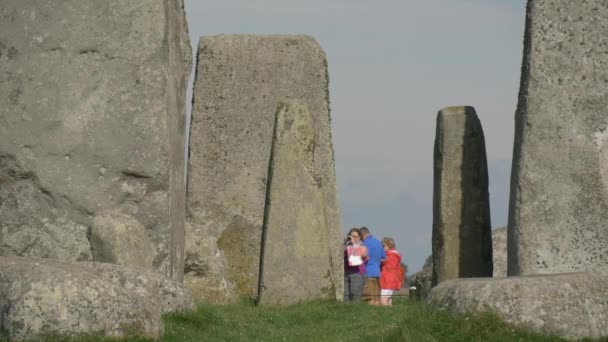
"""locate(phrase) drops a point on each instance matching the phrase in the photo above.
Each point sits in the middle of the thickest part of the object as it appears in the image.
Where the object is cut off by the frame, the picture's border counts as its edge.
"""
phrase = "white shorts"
(386, 293)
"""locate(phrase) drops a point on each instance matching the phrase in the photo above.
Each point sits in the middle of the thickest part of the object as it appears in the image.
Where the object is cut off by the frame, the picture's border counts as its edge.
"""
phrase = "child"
(391, 275)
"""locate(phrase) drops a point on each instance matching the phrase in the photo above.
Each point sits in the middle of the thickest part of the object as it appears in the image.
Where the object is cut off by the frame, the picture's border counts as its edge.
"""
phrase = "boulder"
(239, 82)
(41, 297)
(499, 252)
(558, 211)
(570, 305)
(92, 118)
(119, 239)
(462, 238)
(296, 263)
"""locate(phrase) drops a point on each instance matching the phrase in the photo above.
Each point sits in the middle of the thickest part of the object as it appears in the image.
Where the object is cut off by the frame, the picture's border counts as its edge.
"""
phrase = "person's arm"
(363, 251)
(364, 245)
(396, 261)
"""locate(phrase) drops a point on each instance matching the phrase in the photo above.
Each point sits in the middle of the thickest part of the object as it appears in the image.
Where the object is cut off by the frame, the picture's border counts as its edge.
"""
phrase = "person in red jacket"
(391, 275)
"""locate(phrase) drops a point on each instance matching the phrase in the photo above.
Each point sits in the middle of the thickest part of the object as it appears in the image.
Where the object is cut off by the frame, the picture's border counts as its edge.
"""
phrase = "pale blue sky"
(392, 65)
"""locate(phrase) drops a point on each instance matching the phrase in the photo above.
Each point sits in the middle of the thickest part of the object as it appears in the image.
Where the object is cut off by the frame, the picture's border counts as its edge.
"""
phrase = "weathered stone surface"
(499, 252)
(571, 305)
(558, 215)
(92, 118)
(119, 239)
(296, 255)
(41, 297)
(462, 240)
(240, 79)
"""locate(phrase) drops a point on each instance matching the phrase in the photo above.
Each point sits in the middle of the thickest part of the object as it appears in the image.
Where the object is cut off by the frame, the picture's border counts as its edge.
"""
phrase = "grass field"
(331, 321)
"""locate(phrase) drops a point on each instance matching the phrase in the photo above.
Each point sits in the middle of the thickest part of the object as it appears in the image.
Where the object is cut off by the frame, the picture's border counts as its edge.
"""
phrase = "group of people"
(372, 269)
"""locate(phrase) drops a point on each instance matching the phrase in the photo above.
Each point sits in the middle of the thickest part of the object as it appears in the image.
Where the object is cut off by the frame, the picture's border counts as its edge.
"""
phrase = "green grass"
(331, 321)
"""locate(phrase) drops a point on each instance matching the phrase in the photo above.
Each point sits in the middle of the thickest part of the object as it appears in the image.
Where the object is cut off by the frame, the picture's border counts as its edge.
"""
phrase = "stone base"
(570, 305)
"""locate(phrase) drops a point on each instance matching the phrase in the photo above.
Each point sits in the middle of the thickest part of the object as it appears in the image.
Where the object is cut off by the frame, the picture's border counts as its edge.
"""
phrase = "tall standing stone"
(558, 213)
(462, 238)
(240, 79)
(296, 250)
(92, 119)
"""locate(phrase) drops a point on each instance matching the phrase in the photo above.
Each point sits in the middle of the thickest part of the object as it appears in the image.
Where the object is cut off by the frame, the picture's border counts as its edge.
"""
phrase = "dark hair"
(364, 230)
(356, 230)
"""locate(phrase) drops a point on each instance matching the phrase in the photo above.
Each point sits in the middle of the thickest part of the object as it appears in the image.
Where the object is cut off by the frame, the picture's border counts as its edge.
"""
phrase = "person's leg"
(347, 293)
(366, 295)
(386, 297)
(383, 297)
(376, 292)
(356, 286)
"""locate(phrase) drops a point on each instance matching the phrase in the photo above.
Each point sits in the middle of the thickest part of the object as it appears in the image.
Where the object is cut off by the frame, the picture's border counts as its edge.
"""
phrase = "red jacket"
(391, 277)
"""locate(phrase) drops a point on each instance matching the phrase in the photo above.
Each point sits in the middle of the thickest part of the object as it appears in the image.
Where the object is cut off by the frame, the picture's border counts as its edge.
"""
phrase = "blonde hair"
(389, 242)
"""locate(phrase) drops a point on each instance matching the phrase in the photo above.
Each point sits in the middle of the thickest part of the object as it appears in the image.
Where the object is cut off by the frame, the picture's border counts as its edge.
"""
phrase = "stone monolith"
(462, 238)
(239, 81)
(296, 263)
(92, 118)
(558, 212)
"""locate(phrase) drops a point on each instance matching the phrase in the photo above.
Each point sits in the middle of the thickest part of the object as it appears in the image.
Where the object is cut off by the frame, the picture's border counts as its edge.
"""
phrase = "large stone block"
(92, 118)
(558, 215)
(571, 305)
(462, 238)
(296, 249)
(41, 297)
(499, 252)
(240, 79)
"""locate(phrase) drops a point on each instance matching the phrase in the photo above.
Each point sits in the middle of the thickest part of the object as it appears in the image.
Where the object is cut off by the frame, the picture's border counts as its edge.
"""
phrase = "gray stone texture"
(119, 239)
(92, 119)
(240, 79)
(570, 305)
(462, 240)
(558, 215)
(42, 297)
(297, 256)
(499, 252)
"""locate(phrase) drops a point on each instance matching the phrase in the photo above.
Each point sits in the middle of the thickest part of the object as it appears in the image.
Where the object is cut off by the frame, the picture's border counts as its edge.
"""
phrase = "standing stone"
(240, 79)
(499, 252)
(558, 213)
(462, 238)
(92, 118)
(296, 251)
